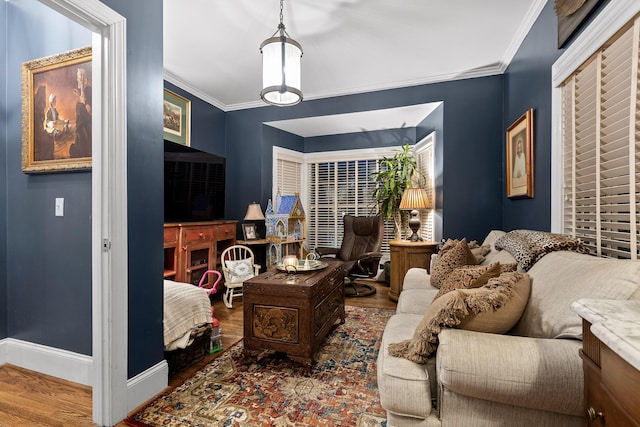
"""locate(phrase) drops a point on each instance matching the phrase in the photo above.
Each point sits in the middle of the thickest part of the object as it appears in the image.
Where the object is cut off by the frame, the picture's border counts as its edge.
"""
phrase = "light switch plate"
(59, 206)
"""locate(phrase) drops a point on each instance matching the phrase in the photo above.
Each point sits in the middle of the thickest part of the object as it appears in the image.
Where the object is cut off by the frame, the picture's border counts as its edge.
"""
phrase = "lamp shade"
(254, 213)
(281, 71)
(415, 198)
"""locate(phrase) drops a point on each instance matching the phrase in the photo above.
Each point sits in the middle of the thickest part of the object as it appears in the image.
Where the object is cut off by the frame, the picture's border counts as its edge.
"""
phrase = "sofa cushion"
(457, 256)
(416, 278)
(452, 308)
(541, 374)
(468, 277)
(492, 237)
(416, 301)
(560, 278)
(405, 387)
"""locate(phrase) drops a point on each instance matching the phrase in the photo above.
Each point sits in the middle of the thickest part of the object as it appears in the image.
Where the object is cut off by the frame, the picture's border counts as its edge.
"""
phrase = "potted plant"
(396, 173)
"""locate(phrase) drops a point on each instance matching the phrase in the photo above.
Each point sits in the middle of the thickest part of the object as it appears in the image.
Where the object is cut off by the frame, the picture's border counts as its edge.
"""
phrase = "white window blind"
(289, 176)
(338, 188)
(601, 148)
(425, 159)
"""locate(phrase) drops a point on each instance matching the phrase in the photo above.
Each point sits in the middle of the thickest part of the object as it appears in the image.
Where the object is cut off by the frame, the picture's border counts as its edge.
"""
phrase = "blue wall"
(49, 264)
(50, 258)
(3, 175)
(528, 85)
(207, 123)
(471, 145)
(145, 170)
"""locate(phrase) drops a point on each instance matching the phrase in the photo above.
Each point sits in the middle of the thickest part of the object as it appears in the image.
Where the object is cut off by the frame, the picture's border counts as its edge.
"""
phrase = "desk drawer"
(225, 231)
(198, 234)
(171, 235)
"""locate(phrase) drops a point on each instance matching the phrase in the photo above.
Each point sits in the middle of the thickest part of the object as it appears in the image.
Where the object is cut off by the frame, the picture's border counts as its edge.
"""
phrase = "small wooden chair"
(238, 265)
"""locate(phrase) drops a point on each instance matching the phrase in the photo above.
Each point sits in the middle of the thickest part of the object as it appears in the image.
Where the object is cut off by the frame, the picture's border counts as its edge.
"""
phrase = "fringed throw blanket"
(528, 246)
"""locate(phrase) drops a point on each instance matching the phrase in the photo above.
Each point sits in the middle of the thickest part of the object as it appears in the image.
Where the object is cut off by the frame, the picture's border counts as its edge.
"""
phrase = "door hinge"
(106, 245)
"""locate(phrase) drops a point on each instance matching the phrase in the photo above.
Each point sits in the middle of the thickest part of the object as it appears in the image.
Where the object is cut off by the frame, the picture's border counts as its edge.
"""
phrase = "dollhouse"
(286, 228)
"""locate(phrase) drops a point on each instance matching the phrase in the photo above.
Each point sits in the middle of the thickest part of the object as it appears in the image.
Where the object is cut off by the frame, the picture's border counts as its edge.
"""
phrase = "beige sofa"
(531, 376)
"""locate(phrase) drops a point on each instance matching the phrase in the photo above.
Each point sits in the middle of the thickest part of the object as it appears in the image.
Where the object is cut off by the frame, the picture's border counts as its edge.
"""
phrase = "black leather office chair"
(359, 252)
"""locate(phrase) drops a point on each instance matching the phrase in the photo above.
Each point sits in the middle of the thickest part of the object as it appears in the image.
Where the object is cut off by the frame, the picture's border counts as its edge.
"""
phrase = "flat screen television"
(194, 184)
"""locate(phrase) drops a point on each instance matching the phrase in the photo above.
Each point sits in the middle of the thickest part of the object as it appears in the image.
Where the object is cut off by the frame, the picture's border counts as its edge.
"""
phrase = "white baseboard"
(78, 368)
(3, 351)
(59, 363)
(144, 386)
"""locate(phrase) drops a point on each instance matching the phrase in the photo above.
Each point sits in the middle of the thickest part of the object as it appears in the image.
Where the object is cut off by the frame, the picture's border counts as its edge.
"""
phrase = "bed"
(187, 321)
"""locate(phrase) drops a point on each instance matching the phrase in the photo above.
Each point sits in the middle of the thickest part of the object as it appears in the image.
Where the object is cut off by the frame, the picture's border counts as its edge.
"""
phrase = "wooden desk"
(406, 255)
(192, 248)
(292, 313)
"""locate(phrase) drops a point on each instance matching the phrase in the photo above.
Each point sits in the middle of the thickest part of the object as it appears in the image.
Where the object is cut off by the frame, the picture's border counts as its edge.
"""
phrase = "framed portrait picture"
(520, 157)
(249, 231)
(56, 112)
(177, 118)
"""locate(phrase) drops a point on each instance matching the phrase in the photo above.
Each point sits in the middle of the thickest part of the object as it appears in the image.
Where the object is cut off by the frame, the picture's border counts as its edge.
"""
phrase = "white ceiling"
(211, 47)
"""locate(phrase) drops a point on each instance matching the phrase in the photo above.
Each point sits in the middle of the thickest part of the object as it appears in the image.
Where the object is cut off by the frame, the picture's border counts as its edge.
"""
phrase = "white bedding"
(185, 307)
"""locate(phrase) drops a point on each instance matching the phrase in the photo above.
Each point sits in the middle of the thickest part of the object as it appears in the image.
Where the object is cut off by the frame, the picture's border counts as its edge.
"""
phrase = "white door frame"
(108, 205)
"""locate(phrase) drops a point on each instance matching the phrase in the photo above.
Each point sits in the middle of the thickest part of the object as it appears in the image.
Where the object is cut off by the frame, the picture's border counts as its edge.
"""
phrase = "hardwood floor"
(32, 399)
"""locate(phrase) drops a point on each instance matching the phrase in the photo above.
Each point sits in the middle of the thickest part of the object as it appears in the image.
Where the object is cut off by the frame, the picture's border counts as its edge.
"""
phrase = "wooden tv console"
(191, 248)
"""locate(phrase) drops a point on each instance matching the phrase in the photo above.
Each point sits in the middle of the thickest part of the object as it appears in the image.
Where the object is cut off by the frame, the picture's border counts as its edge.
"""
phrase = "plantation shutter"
(425, 160)
(601, 149)
(337, 188)
(289, 176)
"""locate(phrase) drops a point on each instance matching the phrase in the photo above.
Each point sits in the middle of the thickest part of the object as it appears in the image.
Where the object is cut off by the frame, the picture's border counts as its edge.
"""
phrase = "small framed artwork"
(56, 112)
(249, 231)
(520, 157)
(177, 118)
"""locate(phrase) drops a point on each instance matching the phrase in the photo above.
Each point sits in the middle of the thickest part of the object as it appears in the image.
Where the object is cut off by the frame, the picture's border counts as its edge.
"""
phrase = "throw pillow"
(479, 252)
(457, 256)
(505, 268)
(449, 244)
(493, 308)
(239, 270)
(468, 277)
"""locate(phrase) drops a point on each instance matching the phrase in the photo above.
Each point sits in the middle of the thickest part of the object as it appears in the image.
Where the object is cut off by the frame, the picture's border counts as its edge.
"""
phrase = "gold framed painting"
(56, 112)
(520, 174)
(177, 118)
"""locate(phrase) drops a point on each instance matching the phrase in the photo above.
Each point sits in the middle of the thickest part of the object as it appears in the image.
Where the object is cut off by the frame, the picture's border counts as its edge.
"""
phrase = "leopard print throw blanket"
(528, 246)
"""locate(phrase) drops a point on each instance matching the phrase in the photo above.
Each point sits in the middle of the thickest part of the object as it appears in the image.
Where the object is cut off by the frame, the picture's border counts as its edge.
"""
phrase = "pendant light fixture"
(281, 68)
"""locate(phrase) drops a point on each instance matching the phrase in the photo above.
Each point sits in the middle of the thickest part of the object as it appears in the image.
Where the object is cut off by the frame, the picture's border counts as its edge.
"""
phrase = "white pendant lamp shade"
(281, 68)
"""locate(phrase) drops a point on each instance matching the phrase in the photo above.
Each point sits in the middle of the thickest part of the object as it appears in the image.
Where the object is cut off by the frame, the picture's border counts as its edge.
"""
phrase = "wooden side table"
(406, 255)
(259, 249)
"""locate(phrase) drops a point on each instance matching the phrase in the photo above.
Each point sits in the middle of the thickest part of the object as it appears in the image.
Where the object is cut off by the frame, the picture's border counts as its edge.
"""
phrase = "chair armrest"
(369, 256)
(323, 251)
(256, 269)
(539, 373)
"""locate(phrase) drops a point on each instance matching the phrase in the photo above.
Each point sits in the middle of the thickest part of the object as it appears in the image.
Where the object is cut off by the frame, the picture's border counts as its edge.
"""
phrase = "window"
(334, 184)
(287, 171)
(601, 148)
(424, 155)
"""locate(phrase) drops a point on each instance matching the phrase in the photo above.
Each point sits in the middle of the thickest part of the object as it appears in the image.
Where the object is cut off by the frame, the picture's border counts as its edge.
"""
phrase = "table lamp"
(414, 199)
(254, 213)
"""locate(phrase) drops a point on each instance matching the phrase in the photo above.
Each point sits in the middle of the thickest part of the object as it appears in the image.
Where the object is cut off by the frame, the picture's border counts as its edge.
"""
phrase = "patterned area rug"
(274, 391)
